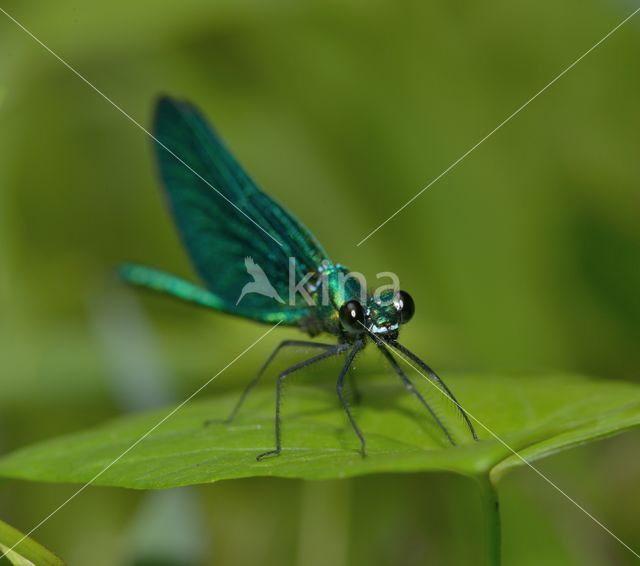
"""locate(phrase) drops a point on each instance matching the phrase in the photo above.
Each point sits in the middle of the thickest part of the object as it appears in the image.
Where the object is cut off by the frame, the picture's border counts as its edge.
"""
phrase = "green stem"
(491, 509)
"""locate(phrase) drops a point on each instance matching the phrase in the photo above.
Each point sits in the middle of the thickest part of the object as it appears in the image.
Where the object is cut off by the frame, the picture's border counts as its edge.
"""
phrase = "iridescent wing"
(225, 220)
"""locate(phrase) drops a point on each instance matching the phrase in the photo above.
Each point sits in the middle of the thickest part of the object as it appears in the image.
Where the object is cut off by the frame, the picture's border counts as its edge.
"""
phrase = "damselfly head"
(382, 315)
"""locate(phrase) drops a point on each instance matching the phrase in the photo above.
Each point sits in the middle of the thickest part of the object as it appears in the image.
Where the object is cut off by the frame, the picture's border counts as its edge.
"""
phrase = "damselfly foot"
(268, 454)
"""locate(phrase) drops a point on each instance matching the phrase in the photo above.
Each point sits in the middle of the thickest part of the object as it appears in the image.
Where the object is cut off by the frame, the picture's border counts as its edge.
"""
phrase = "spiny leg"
(332, 352)
(254, 381)
(409, 385)
(339, 388)
(357, 396)
(433, 375)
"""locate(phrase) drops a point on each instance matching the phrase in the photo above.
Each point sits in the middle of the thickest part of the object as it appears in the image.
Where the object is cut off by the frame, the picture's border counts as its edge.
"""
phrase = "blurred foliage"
(523, 258)
(29, 551)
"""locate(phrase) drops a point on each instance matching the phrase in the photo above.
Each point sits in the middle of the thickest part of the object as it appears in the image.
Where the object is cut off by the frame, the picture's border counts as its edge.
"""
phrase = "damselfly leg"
(334, 350)
(438, 381)
(254, 381)
(339, 388)
(411, 388)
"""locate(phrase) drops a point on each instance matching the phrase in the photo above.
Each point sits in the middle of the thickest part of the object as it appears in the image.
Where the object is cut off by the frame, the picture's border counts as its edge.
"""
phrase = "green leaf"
(535, 416)
(28, 552)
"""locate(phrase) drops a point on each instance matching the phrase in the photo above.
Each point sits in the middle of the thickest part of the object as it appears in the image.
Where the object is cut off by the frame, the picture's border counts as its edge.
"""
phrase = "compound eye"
(352, 317)
(406, 307)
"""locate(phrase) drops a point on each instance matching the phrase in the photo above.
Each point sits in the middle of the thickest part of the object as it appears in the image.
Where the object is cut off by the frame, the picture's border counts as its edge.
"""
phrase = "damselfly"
(234, 232)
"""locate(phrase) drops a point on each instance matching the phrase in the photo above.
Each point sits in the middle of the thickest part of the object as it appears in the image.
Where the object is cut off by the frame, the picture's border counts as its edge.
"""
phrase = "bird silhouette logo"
(260, 284)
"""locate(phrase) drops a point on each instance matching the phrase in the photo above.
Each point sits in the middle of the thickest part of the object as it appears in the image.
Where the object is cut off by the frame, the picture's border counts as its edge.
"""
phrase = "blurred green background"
(524, 258)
